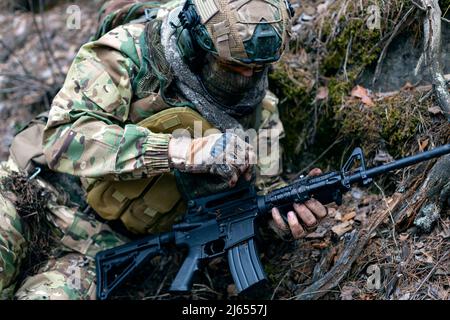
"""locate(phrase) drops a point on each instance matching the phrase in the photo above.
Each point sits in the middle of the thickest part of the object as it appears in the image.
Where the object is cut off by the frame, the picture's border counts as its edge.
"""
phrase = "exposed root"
(432, 53)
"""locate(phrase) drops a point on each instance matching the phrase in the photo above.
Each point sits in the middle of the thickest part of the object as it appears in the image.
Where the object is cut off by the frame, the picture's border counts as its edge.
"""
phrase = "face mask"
(227, 86)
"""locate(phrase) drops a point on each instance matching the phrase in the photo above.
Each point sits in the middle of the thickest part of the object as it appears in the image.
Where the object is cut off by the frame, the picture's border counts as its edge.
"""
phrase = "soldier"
(113, 125)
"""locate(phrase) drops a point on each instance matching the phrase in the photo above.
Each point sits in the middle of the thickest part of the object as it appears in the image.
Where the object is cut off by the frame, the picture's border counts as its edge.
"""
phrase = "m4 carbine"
(224, 223)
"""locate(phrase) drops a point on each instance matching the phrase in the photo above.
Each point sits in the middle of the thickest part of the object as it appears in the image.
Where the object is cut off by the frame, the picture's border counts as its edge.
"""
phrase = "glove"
(222, 154)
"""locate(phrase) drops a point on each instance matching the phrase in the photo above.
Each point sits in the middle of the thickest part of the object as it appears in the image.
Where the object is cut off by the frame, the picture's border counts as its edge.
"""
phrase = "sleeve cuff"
(156, 154)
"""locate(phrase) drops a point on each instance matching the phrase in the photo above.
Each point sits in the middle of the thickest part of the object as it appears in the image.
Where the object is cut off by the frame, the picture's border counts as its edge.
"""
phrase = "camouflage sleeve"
(269, 167)
(87, 133)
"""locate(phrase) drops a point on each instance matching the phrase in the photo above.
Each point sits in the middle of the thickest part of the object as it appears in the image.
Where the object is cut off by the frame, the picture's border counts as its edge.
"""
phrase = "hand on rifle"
(222, 154)
(303, 218)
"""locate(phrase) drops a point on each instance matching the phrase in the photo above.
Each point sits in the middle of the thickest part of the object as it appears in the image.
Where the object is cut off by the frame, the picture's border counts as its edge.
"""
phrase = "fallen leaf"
(404, 236)
(303, 57)
(320, 245)
(338, 216)
(359, 92)
(349, 216)
(434, 110)
(368, 101)
(361, 217)
(408, 86)
(342, 228)
(322, 8)
(322, 93)
(423, 144)
(363, 94)
(318, 234)
(332, 212)
(347, 292)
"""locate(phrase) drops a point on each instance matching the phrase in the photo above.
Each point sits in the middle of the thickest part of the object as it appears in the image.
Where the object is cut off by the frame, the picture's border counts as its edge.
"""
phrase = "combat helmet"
(249, 32)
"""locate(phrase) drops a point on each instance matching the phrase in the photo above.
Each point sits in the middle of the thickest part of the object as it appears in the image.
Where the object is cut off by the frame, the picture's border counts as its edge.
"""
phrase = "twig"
(44, 43)
(390, 213)
(388, 42)
(11, 52)
(161, 285)
(320, 156)
(351, 252)
(44, 30)
(430, 273)
(418, 6)
(279, 283)
(349, 46)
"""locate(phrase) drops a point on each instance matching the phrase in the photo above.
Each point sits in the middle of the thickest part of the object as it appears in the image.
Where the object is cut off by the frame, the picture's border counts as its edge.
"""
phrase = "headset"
(193, 40)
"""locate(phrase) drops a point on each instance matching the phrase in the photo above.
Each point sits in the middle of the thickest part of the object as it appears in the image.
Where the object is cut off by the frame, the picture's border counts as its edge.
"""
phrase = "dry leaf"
(434, 110)
(332, 212)
(362, 93)
(347, 292)
(322, 93)
(349, 216)
(303, 57)
(320, 245)
(319, 233)
(342, 228)
(359, 92)
(423, 144)
(408, 86)
(368, 101)
(338, 216)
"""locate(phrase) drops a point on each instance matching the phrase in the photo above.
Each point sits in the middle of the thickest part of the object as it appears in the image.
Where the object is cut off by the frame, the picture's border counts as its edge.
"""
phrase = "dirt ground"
(372, 246)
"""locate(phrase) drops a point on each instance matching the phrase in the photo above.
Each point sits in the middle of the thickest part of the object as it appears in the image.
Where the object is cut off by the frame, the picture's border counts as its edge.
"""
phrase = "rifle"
(225, 223)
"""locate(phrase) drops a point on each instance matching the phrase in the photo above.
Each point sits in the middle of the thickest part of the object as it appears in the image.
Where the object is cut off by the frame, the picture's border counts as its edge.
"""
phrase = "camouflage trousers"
(79, 236)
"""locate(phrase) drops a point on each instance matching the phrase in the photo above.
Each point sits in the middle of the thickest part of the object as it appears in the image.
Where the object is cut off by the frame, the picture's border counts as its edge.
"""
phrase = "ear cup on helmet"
(191, 52)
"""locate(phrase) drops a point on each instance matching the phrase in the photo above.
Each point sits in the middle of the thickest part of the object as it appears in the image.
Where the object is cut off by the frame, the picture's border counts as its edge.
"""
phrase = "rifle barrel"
(402, 163)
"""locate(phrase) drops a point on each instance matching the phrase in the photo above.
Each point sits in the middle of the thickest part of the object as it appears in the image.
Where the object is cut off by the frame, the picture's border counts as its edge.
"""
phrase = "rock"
(356, 193)
(427, 217)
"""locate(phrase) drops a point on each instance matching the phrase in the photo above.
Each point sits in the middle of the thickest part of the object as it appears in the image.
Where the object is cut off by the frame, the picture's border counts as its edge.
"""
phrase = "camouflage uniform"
(92, 132)
(69, 276)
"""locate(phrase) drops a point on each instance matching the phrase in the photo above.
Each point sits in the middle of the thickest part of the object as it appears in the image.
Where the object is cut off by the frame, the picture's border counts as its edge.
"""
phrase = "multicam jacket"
(92, 128)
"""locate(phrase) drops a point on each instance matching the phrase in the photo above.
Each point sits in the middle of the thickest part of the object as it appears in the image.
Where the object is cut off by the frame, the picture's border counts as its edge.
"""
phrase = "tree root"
(432, 53)
(353, 248)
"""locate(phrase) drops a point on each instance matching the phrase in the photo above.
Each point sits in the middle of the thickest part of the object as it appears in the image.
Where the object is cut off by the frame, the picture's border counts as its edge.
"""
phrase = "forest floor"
(372, 246)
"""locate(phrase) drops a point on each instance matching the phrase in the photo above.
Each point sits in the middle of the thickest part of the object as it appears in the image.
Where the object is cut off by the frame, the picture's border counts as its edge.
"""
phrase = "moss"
(392, 123)
(359, 53)
(311, 127)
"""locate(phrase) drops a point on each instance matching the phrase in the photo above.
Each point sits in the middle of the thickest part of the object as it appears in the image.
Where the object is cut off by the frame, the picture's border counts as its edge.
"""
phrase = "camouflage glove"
(222, 154)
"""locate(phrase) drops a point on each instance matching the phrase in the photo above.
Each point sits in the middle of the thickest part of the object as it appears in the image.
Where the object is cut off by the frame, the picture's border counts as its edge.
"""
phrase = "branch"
(394, 33)
(432, 54)
(353, 248)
